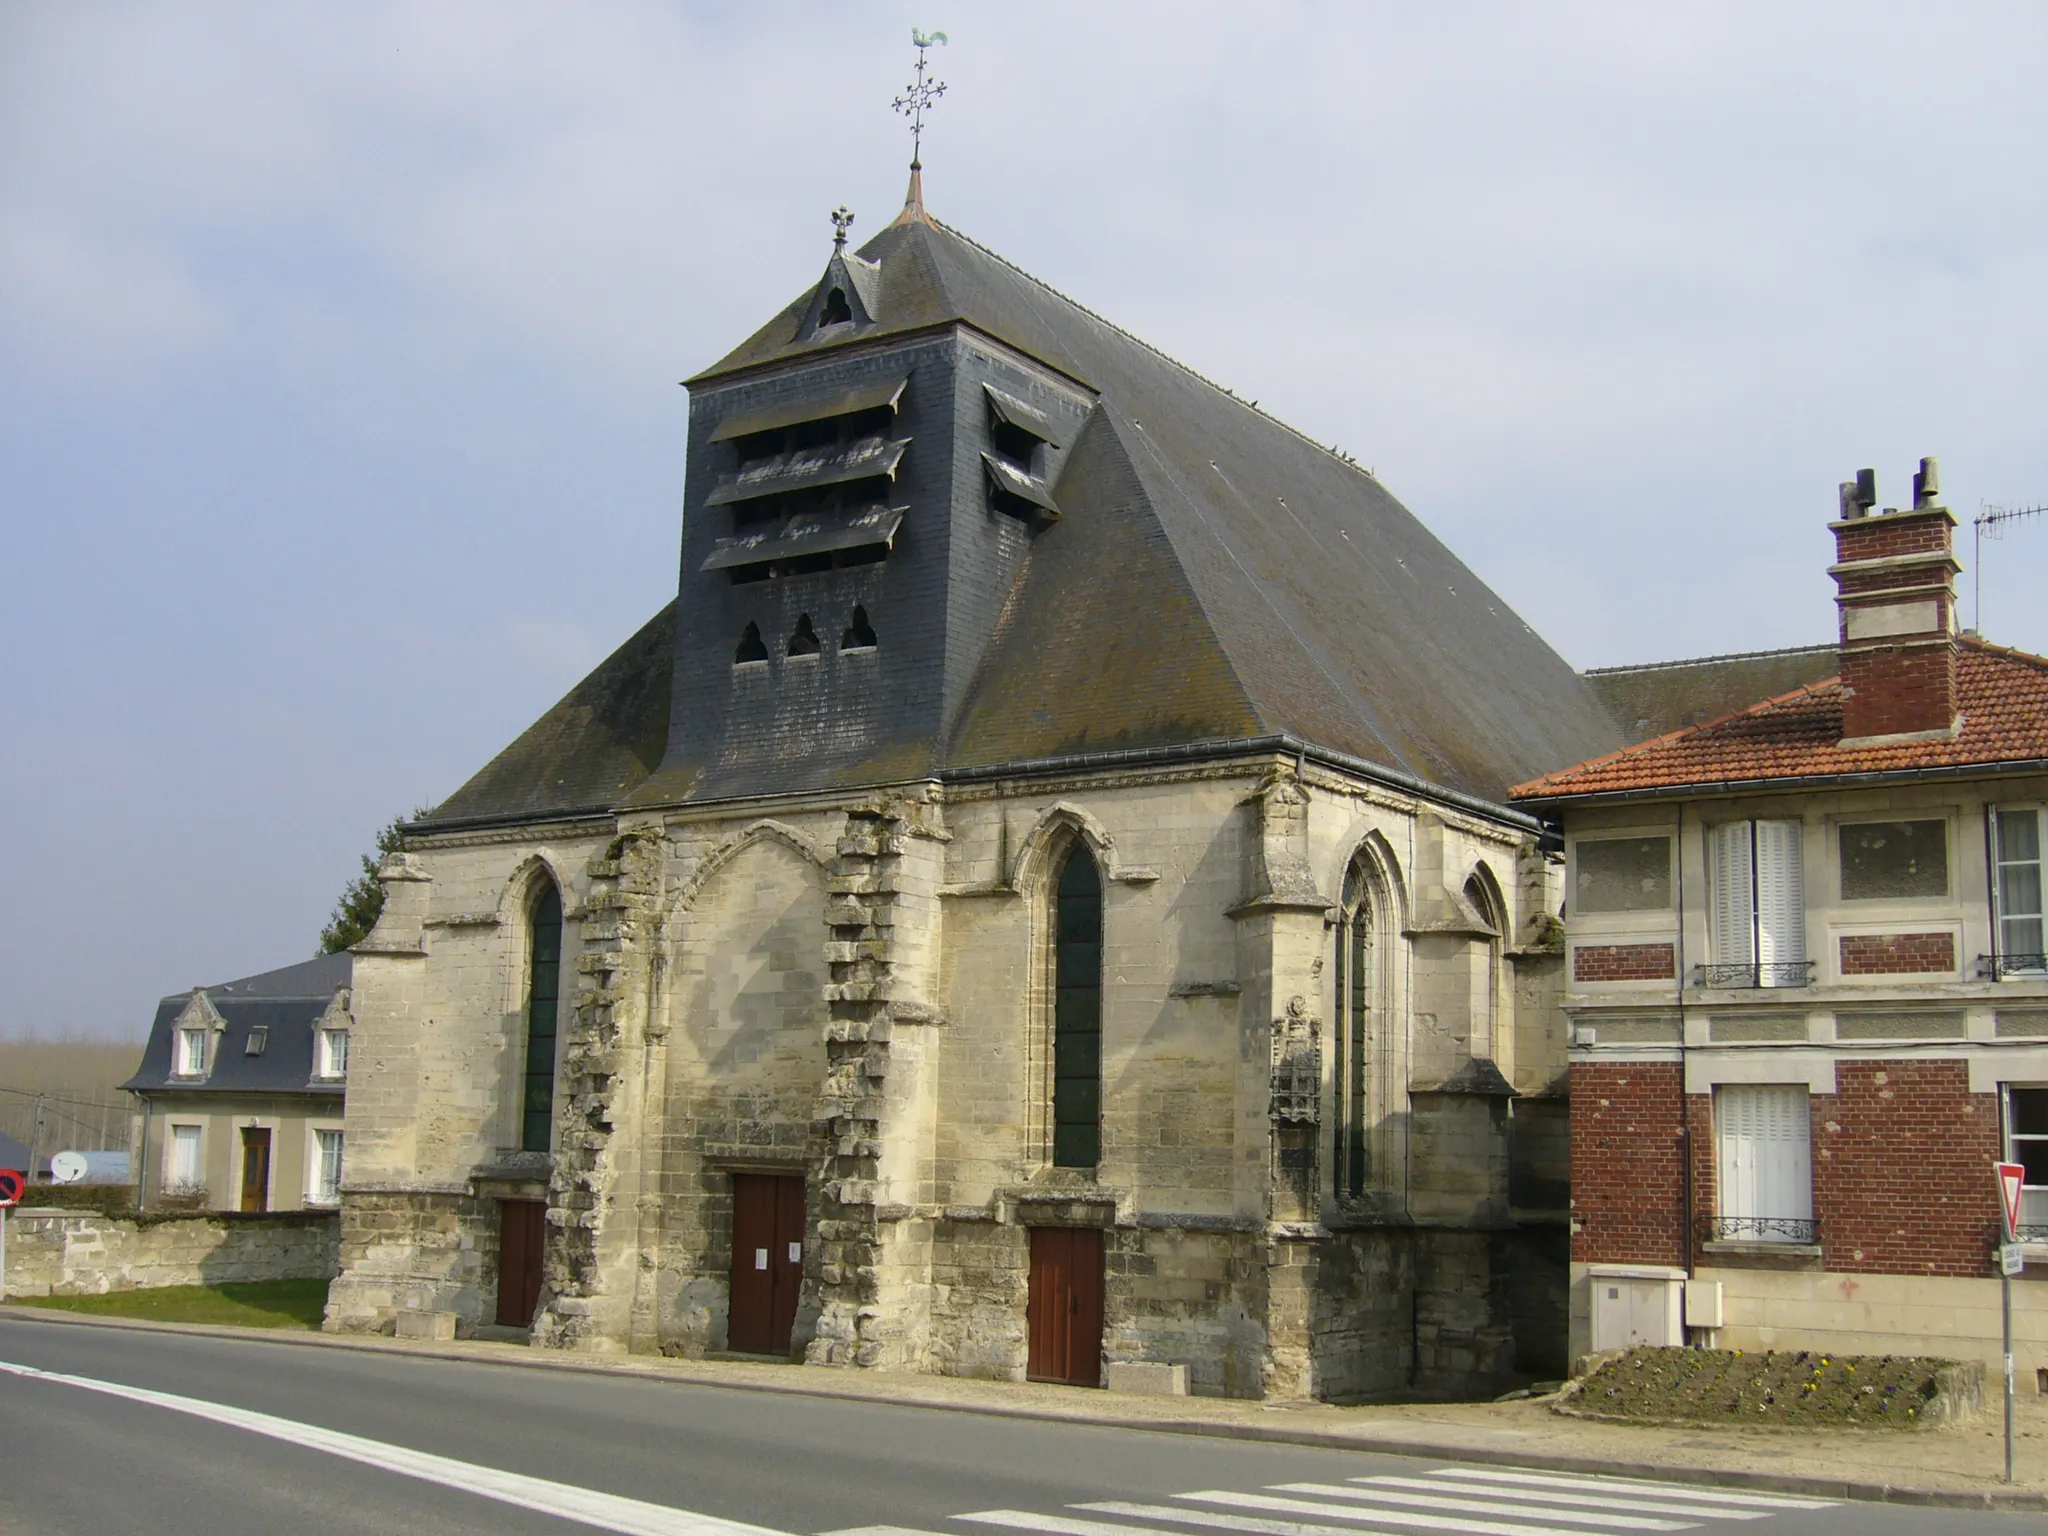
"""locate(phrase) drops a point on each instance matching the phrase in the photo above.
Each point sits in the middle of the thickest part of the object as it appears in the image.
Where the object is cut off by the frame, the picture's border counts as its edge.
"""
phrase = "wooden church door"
(1064, 1312)
(767, 1262)
(522, 1228)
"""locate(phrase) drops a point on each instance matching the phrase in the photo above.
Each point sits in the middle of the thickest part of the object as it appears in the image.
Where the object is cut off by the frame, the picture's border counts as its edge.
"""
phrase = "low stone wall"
(85, 1253)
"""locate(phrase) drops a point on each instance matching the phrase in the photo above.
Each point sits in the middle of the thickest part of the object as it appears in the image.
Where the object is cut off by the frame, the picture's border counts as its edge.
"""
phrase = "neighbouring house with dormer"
(1041, 901)
(241, 1087)
(1807, 985)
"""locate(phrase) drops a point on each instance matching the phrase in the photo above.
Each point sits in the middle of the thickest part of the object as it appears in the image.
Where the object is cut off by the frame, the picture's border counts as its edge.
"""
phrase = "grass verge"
(257, 1304)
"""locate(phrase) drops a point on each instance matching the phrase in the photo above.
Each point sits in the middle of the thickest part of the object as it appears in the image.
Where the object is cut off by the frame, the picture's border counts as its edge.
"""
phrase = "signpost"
(2011, 1260)
(12, 1183)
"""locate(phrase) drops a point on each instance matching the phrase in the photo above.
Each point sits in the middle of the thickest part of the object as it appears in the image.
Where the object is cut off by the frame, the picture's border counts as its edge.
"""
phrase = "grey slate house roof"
(14, 1154)
(283, 1004)
(1202, 575)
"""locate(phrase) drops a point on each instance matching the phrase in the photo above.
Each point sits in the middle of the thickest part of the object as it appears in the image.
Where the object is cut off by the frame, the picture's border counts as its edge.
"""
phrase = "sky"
(339, 346)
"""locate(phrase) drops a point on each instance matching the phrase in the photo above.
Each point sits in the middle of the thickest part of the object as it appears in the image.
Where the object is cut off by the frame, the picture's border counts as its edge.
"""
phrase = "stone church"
(1039, 902)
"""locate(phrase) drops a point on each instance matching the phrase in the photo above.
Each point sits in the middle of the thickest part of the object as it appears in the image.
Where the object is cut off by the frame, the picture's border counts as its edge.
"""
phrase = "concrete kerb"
(647, 1368)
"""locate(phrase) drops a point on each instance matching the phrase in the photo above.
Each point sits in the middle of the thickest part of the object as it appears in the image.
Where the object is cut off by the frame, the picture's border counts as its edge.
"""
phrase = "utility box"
(1636, 1304)
(1703, 1304)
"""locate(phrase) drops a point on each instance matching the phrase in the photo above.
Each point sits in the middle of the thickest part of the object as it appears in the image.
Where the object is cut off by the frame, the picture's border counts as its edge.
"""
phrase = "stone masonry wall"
(414, 1253)
(83, 1253)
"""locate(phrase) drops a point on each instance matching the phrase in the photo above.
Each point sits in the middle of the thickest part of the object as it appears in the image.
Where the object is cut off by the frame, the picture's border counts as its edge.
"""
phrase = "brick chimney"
(1895, 590)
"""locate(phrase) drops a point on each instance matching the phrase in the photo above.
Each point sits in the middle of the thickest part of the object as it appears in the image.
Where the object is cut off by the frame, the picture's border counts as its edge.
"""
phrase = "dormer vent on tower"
(809, 484)
(1018, 436)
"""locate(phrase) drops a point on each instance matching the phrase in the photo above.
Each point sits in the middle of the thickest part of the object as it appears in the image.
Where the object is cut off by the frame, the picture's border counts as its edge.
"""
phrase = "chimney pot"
(1927, 484)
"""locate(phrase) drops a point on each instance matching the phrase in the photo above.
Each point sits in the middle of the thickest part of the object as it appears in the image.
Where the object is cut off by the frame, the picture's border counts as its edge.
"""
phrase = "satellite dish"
(68, 1168)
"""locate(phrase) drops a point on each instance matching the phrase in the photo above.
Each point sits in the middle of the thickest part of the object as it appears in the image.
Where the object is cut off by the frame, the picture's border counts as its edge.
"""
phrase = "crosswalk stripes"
(1463, 1501)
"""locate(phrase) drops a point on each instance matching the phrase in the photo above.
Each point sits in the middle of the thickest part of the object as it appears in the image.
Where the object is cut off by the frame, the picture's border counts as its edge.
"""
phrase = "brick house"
(1041, 900)
(1806, 982)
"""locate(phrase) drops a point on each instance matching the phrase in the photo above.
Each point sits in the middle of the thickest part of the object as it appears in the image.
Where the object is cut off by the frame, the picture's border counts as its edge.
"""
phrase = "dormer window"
(836, 311)
(332, 1060)
(194, 1048)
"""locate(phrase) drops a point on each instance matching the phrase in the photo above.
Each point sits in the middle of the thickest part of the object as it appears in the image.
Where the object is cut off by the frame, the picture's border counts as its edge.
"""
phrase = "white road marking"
(1380, 1518)
(1475, 1502)
(1622, 1485)
(1658, 1506)
(1058, 1525)
(880, 1530)
(586, 1506)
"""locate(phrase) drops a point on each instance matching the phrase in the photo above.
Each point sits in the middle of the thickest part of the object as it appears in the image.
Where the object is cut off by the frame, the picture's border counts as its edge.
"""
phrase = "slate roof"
(14, 1154)
(1659, 697)
(286, 1003)
(592, 749)
(1216, 576)
(2001, 695)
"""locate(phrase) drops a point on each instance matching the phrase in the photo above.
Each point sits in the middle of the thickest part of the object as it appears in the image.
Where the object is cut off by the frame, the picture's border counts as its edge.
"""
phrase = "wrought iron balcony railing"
(1998, 967)
(1764, 1229)
(1764, 973)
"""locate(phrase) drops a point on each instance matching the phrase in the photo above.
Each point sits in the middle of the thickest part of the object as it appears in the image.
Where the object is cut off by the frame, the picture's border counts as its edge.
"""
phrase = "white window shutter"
(1734, 917)
(1780, 896)
(1784, 1187)
(1765, 1155)
(1735, 1129)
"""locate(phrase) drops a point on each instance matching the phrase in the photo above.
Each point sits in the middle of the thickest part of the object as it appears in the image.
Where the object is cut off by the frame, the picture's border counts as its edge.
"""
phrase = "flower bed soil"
(1805, 1388)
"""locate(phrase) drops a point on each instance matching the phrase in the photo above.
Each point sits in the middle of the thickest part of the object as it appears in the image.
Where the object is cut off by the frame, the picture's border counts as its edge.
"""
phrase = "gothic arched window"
(1353, 1034)
(543, 994)
(1486, 987)
(1077, 1014)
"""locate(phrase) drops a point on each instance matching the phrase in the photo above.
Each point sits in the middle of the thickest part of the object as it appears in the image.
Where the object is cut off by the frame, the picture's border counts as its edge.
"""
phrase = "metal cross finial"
(919, 94)
(840, 220)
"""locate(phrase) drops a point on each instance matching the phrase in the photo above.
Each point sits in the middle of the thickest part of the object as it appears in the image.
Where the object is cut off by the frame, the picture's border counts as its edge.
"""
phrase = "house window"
(1622, 874)
(1356, 994)
(193, 1047)
(181, 1164)
(543, 986)
(2016, 837)
(258, 1041)
(333, 1053)
(1759, 906)
(326, 1167)
(1764, 1148)
(1887, 860)
(2026, 1143)
(1077, 1015)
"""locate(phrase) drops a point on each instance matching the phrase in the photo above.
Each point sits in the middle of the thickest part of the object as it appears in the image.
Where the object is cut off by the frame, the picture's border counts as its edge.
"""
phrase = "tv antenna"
(1994, 520)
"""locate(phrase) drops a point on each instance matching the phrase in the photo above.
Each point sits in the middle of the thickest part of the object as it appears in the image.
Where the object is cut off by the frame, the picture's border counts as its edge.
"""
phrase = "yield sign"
(2010, 1177)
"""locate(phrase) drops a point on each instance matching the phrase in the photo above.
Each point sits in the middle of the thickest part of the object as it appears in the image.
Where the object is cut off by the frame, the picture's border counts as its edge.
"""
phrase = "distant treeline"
(79, 1080)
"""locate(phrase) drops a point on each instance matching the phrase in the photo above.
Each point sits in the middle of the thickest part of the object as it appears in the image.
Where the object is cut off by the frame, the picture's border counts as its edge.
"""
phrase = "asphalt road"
(112, 1431)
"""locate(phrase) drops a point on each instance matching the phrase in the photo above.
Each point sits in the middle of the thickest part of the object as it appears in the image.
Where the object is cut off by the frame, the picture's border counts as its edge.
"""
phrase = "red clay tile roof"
(2002, 696)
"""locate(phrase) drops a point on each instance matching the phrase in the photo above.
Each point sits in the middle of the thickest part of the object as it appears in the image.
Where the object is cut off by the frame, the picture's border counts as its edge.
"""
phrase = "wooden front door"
(255, 1168)
(767, 1262)
(522, 1227)
(1064, 1312)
